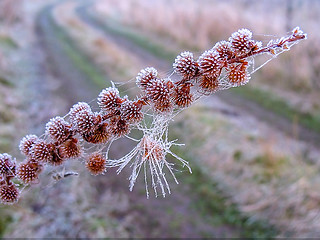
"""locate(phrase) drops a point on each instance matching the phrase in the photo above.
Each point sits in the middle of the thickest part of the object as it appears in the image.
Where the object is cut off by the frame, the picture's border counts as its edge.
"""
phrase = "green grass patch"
(7, 42)
(277, 105)
(5, 220)
(217, 208)
(80, 60)
(5, 82)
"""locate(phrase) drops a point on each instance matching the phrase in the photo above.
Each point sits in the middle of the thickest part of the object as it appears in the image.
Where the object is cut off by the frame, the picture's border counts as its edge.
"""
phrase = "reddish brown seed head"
(146, 77)
(41, 151)
(210, 63)
(7, 165)
(208, 84)
(84, 121)
(96, 163)
(241, 41)
(29, 171)
(238, 73)
(70, 149)
(119, 127)
(101, 134)
(160, 94)
(26, 144)
(223, 48)
(9, 193)
(77, 108)
(58, 129)
(185, 65)
(109, 100)
(57, 159)
(130, 111)
(151, 149)
(182, 96)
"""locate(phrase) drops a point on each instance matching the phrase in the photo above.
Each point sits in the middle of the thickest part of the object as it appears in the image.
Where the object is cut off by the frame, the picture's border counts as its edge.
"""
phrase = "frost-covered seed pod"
(131, 112)
(101, 134)
(78, 108)
(9, 194)
(84, 121)
(146, 77)
(29, 171)
(70, 149)
(26, 144)
(185, 65)
(58, 129)
(119, 127)
(41, 151)
(223, 48)
(182, 96)
(208, 84)
(241, 40)
(96, 163)
(109, 100)
(210, 63)
(7, 165)
(238, 73)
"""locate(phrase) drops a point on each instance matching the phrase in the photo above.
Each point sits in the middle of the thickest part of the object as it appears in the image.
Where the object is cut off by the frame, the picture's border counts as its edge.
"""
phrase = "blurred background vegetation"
(254, 150)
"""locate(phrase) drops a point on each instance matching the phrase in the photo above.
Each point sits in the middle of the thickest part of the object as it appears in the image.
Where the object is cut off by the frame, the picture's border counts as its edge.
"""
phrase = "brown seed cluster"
(74, 136)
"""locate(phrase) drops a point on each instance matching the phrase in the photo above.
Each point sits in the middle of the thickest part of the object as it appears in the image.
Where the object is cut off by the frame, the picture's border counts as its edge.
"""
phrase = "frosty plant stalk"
(228, 64)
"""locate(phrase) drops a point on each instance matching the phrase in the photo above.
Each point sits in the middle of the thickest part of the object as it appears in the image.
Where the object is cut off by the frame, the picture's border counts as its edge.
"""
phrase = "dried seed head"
(96, 163)
(78, 108)
(130, 111)
(70, 149)
(9, 194)
(182, 96)
(238, 73)
(41, 151)
(85, 121)
(185, 65)
(223, 48)
(146, 77)
(241, 40)
(58, 129)
(7, 165)
(29, 171)
(210, 63)
(109, 100)
(119, 127)
(208, 84)
(100, 135)
(160, 94)
(26, 144)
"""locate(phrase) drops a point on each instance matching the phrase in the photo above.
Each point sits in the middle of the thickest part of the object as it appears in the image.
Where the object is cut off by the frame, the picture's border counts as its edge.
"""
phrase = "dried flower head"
(41, 151)
(160, 94)
(26, 144)
(57, 159)
(146, 77)
(238, 73)
(119, 127)
(96, 163)
(7, 165)
(70, 149)
(182, 96)
(185, 65)
(9, 193)
(208, 84)
(58, 129)
(78, 108)
(29, 171)
(241, 40)
(130, 111)
(223, 48)
(85, 121)
(109, 100)
(210, 63)
(101, 134)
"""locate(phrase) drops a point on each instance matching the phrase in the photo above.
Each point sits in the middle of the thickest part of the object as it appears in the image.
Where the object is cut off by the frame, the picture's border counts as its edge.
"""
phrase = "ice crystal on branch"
(90, 134)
